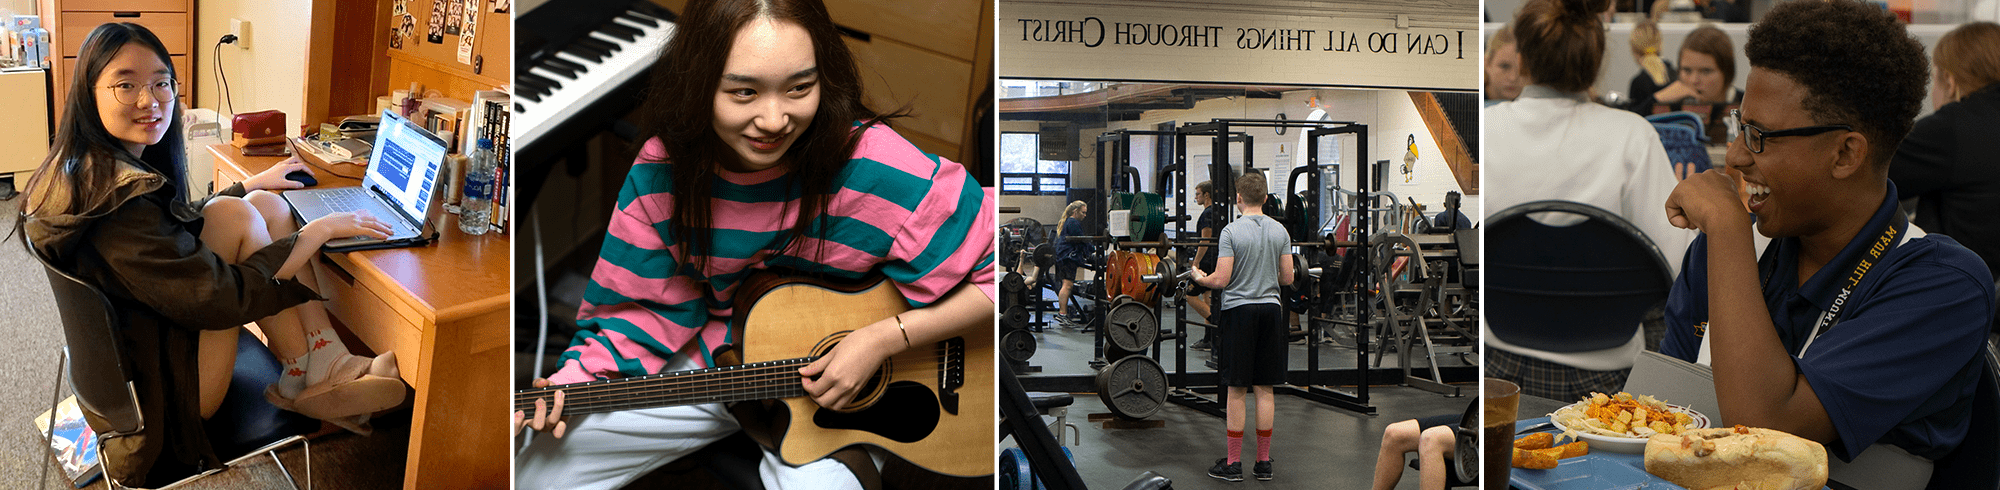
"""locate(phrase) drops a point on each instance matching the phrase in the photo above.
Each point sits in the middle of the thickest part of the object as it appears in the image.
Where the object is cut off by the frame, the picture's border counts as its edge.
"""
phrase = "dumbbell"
(1302, 272)
(1167, 269)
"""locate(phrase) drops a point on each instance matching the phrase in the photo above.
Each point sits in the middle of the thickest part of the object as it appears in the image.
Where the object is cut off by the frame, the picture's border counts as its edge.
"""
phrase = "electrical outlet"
(241, 29)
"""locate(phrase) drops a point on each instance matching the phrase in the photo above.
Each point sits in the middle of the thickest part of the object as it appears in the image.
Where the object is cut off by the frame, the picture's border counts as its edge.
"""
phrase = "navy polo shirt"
(1900, 365)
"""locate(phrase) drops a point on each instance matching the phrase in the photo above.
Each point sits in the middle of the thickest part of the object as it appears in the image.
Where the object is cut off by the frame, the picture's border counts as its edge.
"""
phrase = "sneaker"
(1202, 345)
(1225, 471)
(1262, 470)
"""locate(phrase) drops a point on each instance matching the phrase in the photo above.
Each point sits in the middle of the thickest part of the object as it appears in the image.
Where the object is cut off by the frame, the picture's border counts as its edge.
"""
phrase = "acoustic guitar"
(932, 406)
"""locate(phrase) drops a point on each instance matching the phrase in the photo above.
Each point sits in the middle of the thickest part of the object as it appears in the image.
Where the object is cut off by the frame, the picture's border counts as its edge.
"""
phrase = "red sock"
(1264, 445)
(1235, 446)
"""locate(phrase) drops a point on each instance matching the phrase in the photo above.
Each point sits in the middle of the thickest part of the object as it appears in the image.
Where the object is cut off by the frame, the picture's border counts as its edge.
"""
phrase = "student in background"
(1504, 76)
(1707, 67)
(1554, 143)
(1070, 254)
(1950, 162)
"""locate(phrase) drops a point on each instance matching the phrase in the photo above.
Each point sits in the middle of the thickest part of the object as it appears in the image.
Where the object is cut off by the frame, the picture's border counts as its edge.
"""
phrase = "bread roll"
(1737, 458)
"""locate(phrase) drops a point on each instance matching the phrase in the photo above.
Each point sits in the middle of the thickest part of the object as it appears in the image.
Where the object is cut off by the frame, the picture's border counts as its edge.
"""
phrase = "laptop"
(402, 174)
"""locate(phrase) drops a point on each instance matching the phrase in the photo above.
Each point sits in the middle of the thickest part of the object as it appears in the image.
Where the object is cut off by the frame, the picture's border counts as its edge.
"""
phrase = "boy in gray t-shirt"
(1251, 263)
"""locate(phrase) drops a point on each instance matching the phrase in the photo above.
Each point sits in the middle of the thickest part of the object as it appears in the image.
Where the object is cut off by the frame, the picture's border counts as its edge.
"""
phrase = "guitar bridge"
(951, 372)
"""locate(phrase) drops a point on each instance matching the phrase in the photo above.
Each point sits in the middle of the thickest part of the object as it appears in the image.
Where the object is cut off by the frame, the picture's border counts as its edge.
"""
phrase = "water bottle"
(477, 206)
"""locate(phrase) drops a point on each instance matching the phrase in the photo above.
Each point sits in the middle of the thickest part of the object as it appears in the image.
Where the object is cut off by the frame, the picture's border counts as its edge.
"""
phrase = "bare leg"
(1062, 297)
(234, 229)
(278, 222)
(1267, 408)
(1397, 440)
(1267, 414)
(1436, 446)
(1235, 408)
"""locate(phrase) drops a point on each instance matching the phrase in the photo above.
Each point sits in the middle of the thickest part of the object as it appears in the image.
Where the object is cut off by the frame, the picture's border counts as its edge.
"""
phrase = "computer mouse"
(302, 177)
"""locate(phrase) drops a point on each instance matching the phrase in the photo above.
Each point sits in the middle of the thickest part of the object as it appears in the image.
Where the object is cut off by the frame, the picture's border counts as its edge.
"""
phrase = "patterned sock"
(1235, 446)
(1264, 445)
(323, 350)
(293, 378)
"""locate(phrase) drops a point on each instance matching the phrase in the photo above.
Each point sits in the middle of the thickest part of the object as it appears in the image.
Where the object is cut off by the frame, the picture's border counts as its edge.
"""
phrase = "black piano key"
(525, 95)
(538, 79)
(620, 31)
(531, 86)
(587, 53)
(619, 35)
(558, 71)
(518, 109)
(600, 44)
(636, 18)
(566, 64)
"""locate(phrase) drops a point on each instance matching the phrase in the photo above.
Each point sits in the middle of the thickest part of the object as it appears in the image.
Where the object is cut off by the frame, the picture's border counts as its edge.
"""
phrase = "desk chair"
(1976, 462)
(246, 426)
(1579, 287)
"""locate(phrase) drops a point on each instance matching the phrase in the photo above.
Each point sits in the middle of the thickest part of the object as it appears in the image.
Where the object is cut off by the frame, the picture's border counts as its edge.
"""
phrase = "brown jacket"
(143, 251)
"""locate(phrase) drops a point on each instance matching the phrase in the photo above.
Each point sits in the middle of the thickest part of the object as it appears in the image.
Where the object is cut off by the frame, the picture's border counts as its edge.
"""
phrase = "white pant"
(609, 450)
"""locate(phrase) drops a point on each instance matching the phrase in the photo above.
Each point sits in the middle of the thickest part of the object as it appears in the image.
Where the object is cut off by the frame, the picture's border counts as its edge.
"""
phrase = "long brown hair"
(1561, 42)
(680, 106)
(1971, 54)
(83, 160)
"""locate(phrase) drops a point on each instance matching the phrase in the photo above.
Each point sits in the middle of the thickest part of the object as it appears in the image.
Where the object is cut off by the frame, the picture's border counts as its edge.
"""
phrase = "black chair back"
(1575, 288)
(97, 369)
(1976, 462)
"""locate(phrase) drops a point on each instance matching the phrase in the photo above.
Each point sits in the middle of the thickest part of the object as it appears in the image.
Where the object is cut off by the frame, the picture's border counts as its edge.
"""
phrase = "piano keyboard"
(554, 89)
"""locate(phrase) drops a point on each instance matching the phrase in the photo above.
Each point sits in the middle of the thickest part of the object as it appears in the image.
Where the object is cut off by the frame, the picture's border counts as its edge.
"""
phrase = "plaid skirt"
(1551, 380)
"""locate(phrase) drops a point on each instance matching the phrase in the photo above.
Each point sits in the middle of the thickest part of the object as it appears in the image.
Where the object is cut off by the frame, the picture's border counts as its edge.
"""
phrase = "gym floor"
(1314, 445)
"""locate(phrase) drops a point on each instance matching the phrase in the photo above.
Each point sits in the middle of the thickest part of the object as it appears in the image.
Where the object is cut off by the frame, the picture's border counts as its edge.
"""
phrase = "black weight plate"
(1013, 283)
(1134, 387)
(1018, 345)
(1131, 326)
(1014, 318)
(1045, 255)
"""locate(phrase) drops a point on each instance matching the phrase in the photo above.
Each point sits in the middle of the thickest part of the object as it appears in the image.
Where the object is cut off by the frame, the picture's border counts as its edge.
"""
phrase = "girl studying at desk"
(109, 205)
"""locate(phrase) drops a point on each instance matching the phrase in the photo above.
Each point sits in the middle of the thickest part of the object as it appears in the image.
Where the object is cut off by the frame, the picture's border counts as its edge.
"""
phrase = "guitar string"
(787, 366)
(763, 379)
(764, 386)
(773, 377)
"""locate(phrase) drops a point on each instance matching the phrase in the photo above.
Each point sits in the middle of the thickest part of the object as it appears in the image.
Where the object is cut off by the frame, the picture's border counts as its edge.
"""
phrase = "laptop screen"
(404, 165)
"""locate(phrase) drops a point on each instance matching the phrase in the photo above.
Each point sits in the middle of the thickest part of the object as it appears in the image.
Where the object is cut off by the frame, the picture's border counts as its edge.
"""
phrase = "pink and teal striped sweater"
(921, 220)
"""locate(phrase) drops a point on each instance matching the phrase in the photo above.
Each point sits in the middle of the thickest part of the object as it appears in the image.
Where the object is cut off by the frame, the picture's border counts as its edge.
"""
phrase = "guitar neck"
(759, 381)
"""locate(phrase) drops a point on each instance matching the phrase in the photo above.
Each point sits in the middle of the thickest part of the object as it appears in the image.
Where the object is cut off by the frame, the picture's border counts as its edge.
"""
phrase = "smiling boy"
(1853, 328)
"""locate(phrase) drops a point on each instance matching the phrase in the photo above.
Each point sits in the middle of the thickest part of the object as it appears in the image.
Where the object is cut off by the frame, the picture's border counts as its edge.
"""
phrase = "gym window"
(1022, 173)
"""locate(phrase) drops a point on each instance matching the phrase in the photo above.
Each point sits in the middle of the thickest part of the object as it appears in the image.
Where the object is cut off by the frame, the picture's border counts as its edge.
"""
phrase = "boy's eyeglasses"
(1753, 137)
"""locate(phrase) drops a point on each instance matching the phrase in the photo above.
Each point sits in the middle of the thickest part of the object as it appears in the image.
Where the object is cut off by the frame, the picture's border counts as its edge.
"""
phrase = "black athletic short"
(1252, 345)
(1451, 419)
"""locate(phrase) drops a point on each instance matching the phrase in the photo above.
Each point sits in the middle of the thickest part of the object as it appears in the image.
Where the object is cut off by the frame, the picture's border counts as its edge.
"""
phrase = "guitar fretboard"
(758, 381)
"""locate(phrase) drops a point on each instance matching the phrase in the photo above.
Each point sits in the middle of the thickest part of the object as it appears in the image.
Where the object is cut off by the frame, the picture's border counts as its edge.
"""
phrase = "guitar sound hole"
(907, 412)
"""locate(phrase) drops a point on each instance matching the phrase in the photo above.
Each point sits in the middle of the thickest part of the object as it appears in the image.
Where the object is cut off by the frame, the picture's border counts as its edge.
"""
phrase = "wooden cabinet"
(26, 112)
(70, 21)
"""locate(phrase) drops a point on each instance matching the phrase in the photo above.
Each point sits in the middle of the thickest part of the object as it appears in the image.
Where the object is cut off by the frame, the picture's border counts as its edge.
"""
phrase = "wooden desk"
(443, 309)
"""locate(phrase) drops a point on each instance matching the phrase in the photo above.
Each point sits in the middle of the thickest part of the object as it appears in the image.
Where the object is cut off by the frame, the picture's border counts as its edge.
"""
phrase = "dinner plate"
(1629, 445)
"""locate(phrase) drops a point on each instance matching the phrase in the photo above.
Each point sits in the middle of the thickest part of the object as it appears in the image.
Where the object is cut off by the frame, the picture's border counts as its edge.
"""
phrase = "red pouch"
(258, 128)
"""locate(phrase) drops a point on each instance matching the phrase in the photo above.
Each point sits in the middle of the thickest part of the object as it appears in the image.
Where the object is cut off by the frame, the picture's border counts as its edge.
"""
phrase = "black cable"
(219, 75)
